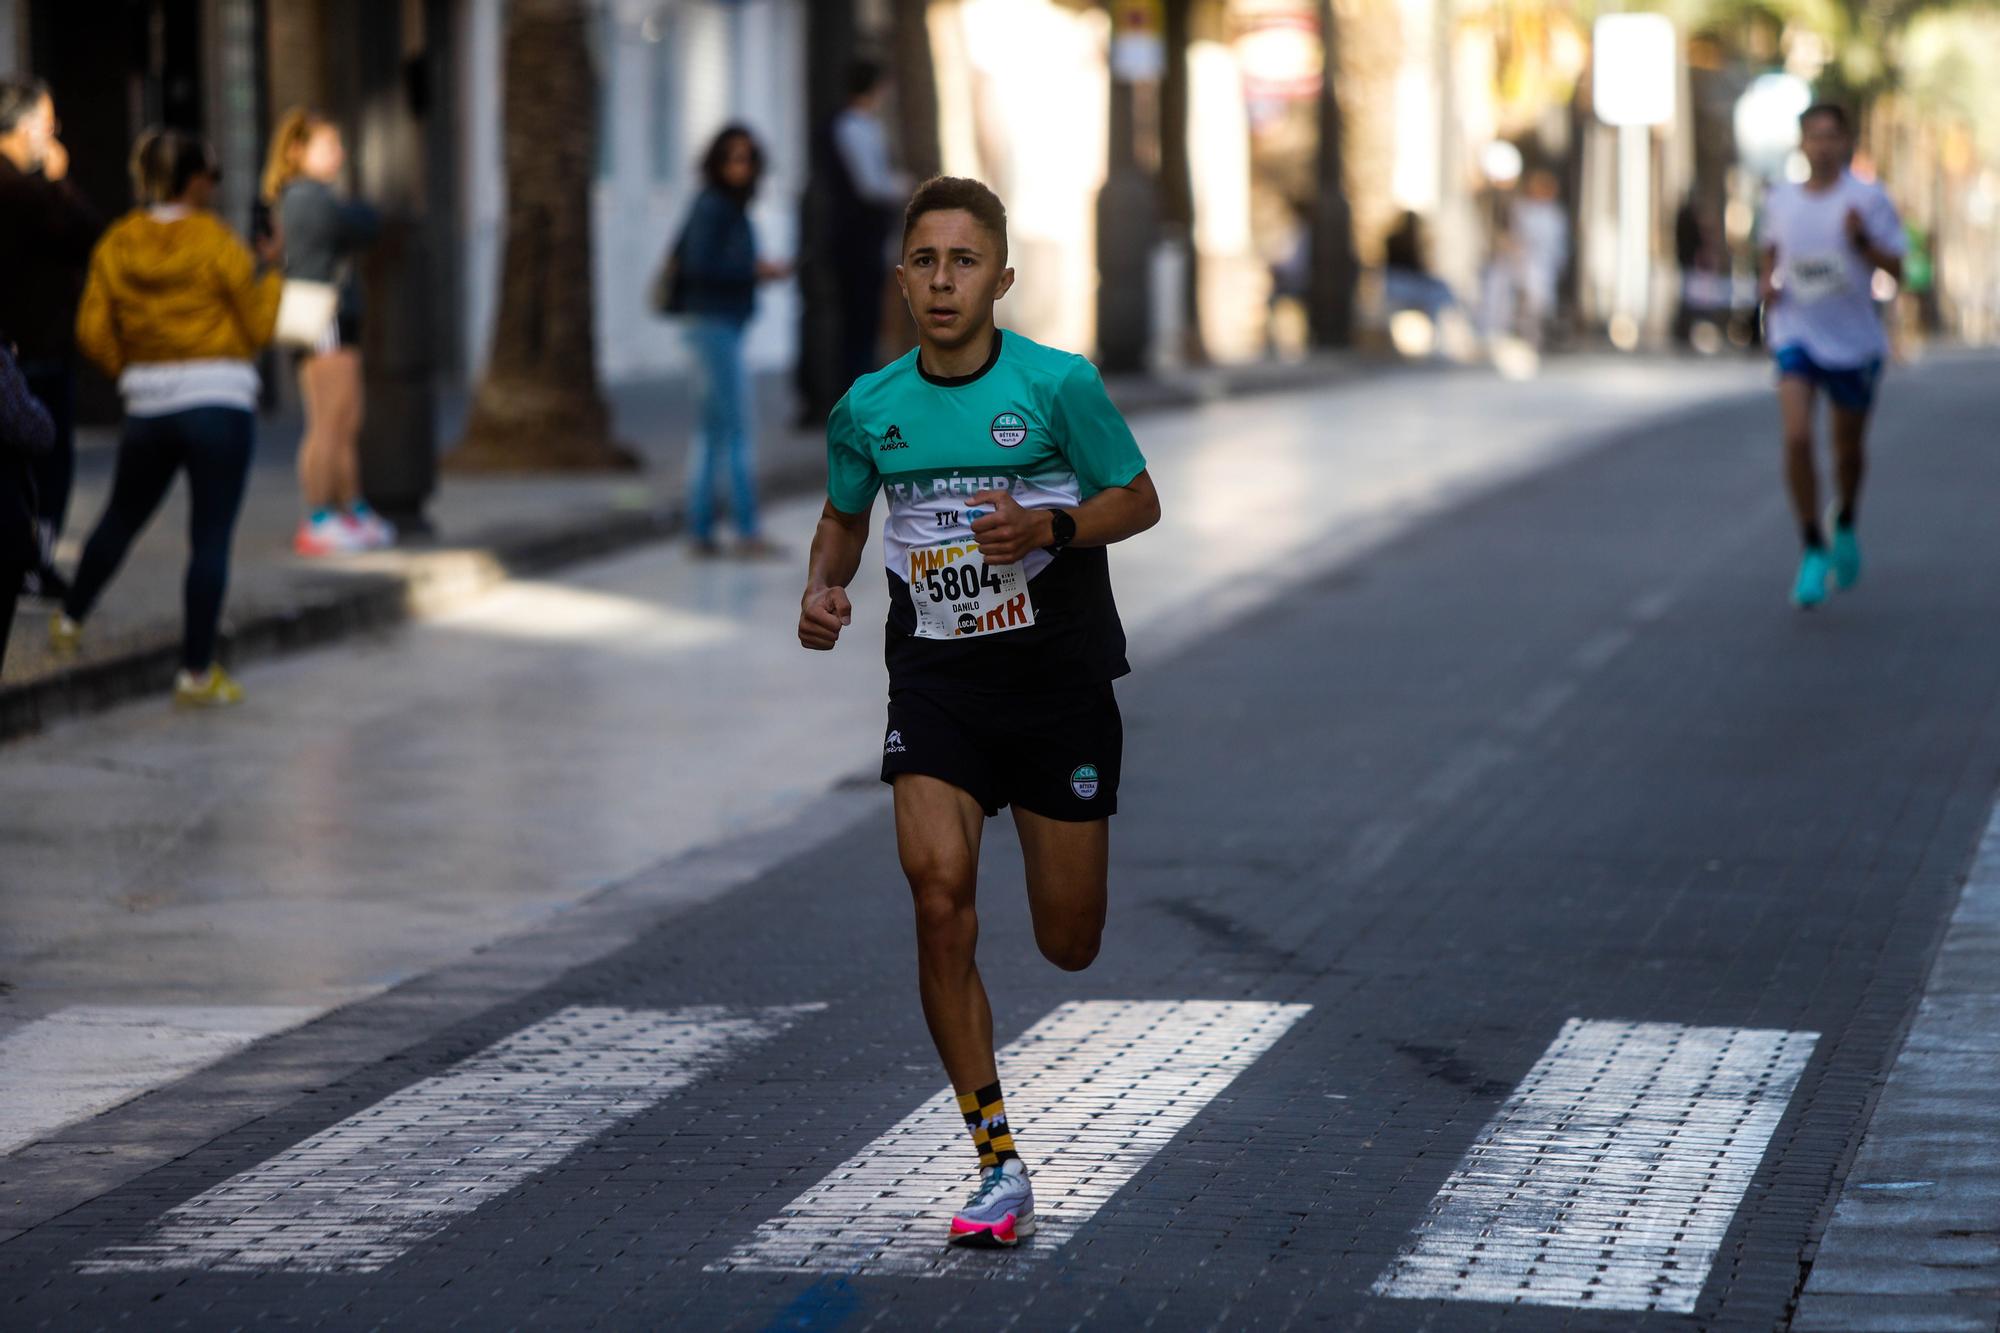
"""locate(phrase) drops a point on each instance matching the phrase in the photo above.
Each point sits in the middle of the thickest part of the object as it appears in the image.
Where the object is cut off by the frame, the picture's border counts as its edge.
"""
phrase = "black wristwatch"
(1062, 529)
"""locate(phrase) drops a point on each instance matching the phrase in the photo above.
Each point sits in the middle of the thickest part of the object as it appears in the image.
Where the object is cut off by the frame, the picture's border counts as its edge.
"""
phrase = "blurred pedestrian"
(718, 272)
(46, 232)
(1407, 280)
(26, 433)
(175, 309)
(1539, 230)
(866, 196)
(1823, 241)
(1688, 258)
(322, 233)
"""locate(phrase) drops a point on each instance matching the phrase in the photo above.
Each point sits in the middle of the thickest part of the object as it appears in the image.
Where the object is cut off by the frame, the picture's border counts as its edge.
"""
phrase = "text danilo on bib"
(958, 595)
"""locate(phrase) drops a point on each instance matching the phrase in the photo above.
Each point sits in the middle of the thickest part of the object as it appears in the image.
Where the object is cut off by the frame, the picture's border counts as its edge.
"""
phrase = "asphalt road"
(1510, 927)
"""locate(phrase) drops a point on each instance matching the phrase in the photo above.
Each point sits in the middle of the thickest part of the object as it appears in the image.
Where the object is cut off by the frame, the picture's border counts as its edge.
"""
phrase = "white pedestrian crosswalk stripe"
(1094, 1091)
(357, 1195)
(1609, 1177)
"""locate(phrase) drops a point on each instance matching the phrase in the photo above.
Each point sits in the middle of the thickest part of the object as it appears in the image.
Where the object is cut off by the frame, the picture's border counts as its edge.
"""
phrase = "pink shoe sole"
(975, 1236)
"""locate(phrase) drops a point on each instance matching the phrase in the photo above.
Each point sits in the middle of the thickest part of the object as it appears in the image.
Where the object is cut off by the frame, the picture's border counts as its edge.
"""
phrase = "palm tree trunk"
(538, 405)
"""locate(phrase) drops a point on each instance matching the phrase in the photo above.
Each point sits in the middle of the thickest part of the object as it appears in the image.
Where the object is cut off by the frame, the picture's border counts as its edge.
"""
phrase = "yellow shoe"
(65, 635)
(211, 689)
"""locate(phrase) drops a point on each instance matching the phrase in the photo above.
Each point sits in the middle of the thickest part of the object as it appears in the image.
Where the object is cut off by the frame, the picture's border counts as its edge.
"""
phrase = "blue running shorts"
(1853, 388)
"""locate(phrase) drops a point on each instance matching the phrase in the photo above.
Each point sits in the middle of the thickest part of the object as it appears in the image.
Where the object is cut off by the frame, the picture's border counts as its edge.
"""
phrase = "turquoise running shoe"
(1846, 558)
(1810, 588)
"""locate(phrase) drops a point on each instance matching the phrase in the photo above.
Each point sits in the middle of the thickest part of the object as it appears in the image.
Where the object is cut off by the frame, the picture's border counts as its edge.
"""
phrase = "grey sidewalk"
(487, 528)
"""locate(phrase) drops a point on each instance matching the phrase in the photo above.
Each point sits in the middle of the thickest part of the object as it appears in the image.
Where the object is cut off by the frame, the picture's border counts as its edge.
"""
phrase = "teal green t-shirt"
(1034, 422)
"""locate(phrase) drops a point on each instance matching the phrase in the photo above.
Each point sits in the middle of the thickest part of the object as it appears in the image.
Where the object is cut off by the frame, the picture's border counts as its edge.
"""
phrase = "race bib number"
(958, 595)
(1816, 277)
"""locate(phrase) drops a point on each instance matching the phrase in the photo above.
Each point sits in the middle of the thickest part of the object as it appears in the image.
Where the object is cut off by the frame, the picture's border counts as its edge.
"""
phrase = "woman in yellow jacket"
(175, 308)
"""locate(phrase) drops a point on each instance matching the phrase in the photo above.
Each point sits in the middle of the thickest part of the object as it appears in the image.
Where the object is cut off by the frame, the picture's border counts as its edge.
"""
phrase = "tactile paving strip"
(1609, 1177)
(1093, 1092)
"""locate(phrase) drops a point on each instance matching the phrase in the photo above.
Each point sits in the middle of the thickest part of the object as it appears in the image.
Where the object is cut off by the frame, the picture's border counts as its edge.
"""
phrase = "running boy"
(1823, 241)
(1008, 472)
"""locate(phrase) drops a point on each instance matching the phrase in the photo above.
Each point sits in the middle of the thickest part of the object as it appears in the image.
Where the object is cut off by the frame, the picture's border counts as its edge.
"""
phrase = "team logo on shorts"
(1009, 429)
(1084, 781)
(893, 745)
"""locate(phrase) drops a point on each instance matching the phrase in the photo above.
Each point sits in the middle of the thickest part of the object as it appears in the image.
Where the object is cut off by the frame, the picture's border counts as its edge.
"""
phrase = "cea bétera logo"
(1009, 429)
(1084, 781)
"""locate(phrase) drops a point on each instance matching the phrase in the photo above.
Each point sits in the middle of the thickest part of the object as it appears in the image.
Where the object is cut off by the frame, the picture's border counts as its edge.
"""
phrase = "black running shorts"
(1053, 753)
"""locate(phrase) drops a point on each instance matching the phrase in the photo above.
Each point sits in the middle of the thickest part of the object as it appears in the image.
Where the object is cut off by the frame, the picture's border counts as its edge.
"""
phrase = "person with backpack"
(711, 278)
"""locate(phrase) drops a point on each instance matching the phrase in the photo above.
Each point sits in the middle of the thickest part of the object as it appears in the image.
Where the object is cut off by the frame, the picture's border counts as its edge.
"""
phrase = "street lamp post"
(1330, 285)
(1128, 217)
(832, 36)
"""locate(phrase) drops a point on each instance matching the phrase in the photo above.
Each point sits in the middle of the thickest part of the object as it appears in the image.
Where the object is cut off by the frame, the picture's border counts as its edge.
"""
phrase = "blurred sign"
(1767, 121)
(1634, 66)
(1138, 41)
(1278, 49)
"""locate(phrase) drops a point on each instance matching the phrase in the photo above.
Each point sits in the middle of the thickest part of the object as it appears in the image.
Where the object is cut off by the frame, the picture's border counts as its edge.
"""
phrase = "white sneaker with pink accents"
(1000, 1213)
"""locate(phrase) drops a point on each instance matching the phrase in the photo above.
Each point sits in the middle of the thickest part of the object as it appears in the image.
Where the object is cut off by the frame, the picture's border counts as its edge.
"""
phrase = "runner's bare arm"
(1767, 274)
(838, 544)
(1857, 234)
(1009, 532)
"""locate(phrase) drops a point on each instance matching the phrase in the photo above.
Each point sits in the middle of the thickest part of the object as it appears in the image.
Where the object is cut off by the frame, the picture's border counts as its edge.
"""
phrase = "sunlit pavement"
(1423, 766)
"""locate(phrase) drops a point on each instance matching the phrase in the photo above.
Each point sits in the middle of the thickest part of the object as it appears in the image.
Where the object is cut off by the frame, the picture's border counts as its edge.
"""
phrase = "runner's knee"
(1070, 950)
(944, 907)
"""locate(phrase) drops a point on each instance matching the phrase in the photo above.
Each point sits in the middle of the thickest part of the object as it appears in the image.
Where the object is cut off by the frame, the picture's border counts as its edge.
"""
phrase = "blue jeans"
(212, 445)
(1406, 289)
(724, 438)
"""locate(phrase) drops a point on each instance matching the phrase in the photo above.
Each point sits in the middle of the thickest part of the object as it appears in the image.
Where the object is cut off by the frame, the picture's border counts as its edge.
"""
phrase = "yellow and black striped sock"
(986, 1116)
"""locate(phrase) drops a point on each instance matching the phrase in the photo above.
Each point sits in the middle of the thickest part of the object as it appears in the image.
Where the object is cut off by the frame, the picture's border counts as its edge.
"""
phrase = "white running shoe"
(1000, 1212)
(377, 533)
(329, 534)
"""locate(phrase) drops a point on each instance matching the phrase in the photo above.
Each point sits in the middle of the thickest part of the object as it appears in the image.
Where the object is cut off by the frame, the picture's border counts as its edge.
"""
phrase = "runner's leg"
(1795, 405)
(1850, 463)
(938, 828)
(1068, 865)
(343, 445)
(1850, 425)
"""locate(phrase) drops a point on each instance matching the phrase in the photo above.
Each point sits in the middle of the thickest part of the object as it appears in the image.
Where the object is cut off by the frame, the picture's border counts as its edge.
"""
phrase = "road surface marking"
(355, 1196)
(1611, 1174)
(1095, 1090)
(86, 1059)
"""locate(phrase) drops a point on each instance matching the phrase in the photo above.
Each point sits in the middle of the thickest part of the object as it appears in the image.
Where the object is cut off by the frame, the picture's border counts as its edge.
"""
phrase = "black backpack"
(669, 291)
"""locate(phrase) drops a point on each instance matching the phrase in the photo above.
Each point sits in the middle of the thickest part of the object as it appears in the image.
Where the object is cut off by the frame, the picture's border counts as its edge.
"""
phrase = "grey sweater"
(322, 232)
